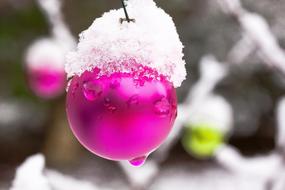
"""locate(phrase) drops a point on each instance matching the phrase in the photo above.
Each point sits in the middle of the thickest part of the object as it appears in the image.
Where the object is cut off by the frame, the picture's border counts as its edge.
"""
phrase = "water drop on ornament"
(107, 102)
(92, 90)
(133, 100)
(74, 88)
(138, 161)
(162, 107)
(110, 107)
(115, 84)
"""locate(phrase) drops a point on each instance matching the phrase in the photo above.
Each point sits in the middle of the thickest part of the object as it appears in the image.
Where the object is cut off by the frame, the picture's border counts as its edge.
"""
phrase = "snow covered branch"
(262, 166)
(212, 72)
(256, 33)
(32, 175)
(52, 10)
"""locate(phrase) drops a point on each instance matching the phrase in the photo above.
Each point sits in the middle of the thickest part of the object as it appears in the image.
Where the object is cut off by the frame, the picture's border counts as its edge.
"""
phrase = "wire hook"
(128, 19)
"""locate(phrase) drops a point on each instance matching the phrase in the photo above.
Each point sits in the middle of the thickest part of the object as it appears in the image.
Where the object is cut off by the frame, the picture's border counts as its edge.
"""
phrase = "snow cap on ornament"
(113, 46)
(214, 111)
(207, 127)
(45, 53)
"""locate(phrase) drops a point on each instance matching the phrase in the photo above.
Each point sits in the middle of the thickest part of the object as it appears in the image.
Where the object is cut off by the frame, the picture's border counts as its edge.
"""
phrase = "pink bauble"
(121, 116)
(46, 82)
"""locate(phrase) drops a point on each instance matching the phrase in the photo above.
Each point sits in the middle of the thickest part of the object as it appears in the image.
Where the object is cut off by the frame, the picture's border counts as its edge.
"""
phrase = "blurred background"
(29, 125)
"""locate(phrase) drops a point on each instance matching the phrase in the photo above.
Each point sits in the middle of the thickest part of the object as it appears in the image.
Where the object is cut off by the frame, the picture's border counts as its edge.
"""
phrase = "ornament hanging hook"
(128, 19)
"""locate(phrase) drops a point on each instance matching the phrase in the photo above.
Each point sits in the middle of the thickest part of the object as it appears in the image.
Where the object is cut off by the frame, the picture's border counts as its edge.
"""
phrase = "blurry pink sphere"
(47, 82)
(121, 116)
(44, 64)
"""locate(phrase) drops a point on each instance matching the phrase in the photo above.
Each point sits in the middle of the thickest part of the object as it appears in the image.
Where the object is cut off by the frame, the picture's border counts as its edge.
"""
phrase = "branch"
(212, 72)
(263, 167)
(61, 33)
(32, 175)
(257, 30)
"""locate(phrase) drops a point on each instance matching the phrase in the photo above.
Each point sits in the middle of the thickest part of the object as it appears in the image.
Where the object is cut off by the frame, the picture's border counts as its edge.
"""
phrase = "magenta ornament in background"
(47, 82)
(121, 116)
(44, 66)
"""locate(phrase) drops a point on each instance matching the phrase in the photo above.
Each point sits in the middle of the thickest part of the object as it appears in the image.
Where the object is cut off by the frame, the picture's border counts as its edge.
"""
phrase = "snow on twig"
(256, 35)
(32, 175)
(212, 72)
(61, 32)
(29, 176)
(261, 166)
(256, 30)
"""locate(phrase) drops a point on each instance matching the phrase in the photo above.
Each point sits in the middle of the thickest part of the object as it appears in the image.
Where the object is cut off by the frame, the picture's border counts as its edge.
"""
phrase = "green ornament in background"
(202, 140)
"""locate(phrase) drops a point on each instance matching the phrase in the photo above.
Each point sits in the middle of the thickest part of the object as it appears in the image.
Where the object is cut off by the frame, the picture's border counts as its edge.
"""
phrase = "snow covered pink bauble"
(45, 69)
(121, 101)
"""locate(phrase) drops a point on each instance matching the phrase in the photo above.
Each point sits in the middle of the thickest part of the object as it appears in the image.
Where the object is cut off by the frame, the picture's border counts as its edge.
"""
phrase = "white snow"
(258, 33)
(140, 176)
(263, 167)
(29, 175)
(32, 175)
(59, 181)
(45, 53)
(218, 114)
(151, 41)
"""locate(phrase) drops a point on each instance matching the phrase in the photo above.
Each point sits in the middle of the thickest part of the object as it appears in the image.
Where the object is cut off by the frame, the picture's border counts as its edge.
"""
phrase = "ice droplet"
(109, 105)
(112, 108)
(138, 161)
(115, 84)
(74, 88)
(133, 100)
(162, 107)
(91, 90)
